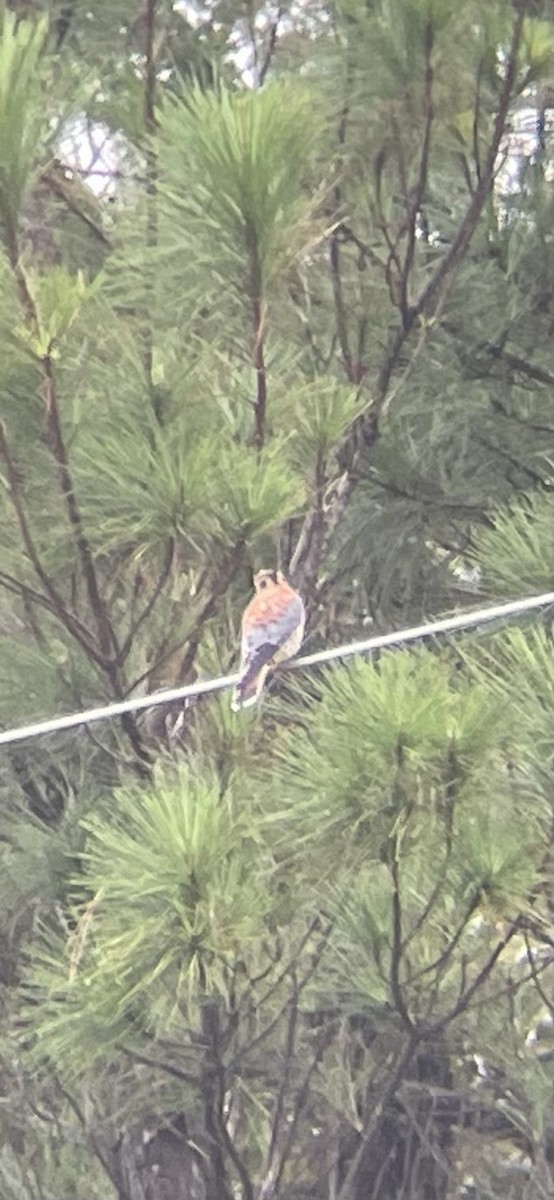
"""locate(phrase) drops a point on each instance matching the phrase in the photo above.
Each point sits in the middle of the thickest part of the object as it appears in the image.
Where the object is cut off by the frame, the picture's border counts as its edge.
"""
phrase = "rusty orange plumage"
(272, 631)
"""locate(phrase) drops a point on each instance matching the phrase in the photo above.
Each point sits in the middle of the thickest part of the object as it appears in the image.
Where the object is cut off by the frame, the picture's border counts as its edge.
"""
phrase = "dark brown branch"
(536, 477)
(258, 322)
(56, 602)
(396, 954)
(247, 1048)
(219, 586)
(149, 606)
(62, 190)
(496, 351)
(26, 593)
(270, 50)
(373, 1122)
(419, 190)
(151, 171)
(290, 1042)
(157, 1065)
(149, 10)
(233, 1154)
(340, 307)
(441, 961)
(106, 635)
(520, 364)
(347, 234)
(393, 260)
(366, 431)
(468, 226)
(464, 1000)
(258, 316)
(548, 1001)
(298, 1108)
(475, 125)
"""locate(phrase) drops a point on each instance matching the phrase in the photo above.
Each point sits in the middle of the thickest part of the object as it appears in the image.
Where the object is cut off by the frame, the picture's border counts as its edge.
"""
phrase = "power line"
(400, 637)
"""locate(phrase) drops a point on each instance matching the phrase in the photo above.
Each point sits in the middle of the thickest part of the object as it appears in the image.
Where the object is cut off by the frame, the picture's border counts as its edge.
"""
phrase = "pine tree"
(307, 323)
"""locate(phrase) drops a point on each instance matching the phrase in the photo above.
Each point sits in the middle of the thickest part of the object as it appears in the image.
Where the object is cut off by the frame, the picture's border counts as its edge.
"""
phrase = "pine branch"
(298, 1108)
(397, 940)
(105, 632)
(151, 603)
(367, 430)
(334, 247)
(272, 42)
(468, 226)
(467, 994)
(60, 188)
(258, 321)
(419, 190)
(375, 1118)
(53, 599)
(148, 9)
(289, 1056)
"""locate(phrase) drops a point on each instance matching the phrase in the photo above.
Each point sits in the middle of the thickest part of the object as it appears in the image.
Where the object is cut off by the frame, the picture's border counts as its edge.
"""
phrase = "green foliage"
(234, 169)
(516, 553)
(58, 298)
(314, 419)
(23, 119)
(177, 897)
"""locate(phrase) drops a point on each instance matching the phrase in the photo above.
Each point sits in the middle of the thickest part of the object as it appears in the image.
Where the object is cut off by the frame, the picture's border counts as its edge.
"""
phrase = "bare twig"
(375, 1117)
(290, 1043)
(149, 606)
(468, 993)
(56, 603)
(298, 1108)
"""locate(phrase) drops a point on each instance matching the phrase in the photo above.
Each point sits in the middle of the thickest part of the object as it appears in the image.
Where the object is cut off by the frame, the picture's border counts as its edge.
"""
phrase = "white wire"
(399, 637)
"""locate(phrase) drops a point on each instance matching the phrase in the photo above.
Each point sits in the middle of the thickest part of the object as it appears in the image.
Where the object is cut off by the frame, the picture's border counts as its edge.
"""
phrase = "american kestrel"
(272, 630)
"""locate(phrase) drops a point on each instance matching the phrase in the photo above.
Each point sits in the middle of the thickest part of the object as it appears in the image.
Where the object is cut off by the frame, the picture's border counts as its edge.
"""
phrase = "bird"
(272, 631)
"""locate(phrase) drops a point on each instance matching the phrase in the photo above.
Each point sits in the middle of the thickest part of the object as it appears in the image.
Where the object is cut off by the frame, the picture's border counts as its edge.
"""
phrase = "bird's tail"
(249, 688)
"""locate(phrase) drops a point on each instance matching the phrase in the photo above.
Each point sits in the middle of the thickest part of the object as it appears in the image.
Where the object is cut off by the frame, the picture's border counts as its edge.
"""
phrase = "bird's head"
(265, 580)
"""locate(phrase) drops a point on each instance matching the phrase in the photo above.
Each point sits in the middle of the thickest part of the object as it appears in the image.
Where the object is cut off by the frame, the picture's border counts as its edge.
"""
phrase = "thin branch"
(258, 324)
(373, 1122)
(340, 307)
(468, 226)
(146, 1061)
(62, 190)
(237, 1161)
(219, 586)
(334, 246)
(162, 580)
(290, 1042)
(396, 955)
(547, 1000)
(434, 292)
(270, 50)
(467, 995)
(298, 1108)
(419, 191)
(475, 125)
(106, 635)
(442, 959)
(151, 181)
(56, 600)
